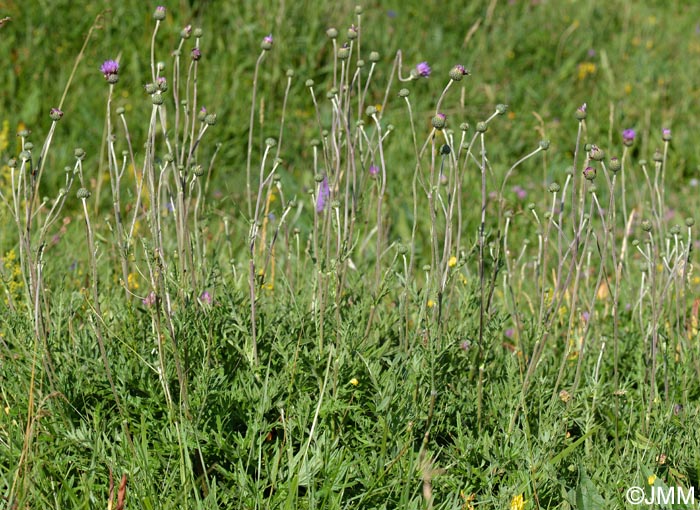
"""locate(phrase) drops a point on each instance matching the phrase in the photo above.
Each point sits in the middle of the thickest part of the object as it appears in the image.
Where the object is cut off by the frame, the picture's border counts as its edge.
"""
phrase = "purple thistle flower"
(149, 300)
(196, 54)
(585, 316)
(520, 192)
(268, 39)
(373, 170)
(205, 298)
(666, 134)
(628, 136)
(109, 68)
(267, 43)
(56, 114)
(423, 69)
(509, 333)
(324, 193)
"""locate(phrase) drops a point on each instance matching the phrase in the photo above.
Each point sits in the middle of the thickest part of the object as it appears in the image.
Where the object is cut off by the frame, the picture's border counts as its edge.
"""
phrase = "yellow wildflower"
(651, 479)
(585, 69)
(517, 503)
(354, 381)
(452, 262)
(132, 282)
(431, 303)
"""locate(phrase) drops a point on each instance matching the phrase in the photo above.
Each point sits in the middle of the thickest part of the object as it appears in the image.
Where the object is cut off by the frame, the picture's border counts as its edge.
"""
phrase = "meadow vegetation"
(302, 255)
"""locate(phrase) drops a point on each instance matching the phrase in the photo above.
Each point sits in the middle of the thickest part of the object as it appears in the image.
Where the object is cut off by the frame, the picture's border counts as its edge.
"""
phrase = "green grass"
(369, 381)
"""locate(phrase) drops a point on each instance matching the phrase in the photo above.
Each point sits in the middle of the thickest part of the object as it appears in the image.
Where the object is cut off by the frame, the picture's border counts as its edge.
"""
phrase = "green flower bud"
(646, 226)
(157, 99)
(332, 33)
(689, 222)
(439, 121)
(501, 109)
(83, 194)
(404, 93)
(544, 144)
(596, 153)
(615, 165)
(309, 83)
(210, 119)
(371, 110)
(374, 56)
(79, 153)
(554, 187)
(481, 127)
(657, 157)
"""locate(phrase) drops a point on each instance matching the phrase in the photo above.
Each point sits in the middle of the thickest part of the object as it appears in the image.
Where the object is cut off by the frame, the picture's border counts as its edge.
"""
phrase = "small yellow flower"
(517, 503)
(354, 381)
(585, 69)
(628, 89)
(7, 409)
(452, 262)
(651, 479)
(431, 303)
(132, 282)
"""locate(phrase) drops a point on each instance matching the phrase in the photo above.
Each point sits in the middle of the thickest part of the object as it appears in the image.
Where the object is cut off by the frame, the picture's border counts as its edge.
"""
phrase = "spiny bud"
(646, 226)
(198, 32)
(210, 119)
(596, 153)
(360, 63)
(371, 110)
(689, 222)
(675, 230)
(150, 88)
(458, 72)
(589, 173)
(198, 170)
(290, 73)
(481, 127)
(374, 56)
(501, 109)
(464, 126)
(615, 165)
(332, 33)
(404, 93)
(55, 114)
(554, 187)
(120, 110)
(352, 32)
(270, 142)
(439, 121)
(159, 14)
(319, 178)
(83, 194)
(196, 54)
(186, 32)
(25, 156)
(657, 157)
(267, 43)
(79, 153)
(666, 135)
(358, 9)
(309, 83)
(544, 144)
(344, 52)
(12, 163)
(581, 112)
(157, 99)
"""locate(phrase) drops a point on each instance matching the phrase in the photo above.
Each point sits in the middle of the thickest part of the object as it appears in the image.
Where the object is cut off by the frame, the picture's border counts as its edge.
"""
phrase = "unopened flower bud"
(666, 135)
(589, 173)
(267, 43)
(458, 72)
(404, 93)
(615, 165)
(159, 14)
(344, 52)
(646, 226)
(352, 32)
(596, 153)
(374, 56)
(544, 144)
(554, 187)
(157, 99)
(581, 112)
(439, 121)
(198, 32)
(332, 33)
(501, 109)
(657, 157)
(55, 114)
(79, 153)
(481, 127)
(210, 119)
(83, 194)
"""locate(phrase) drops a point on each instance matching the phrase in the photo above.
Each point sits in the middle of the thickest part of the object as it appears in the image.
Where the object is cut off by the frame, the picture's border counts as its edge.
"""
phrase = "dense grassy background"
(364, 422)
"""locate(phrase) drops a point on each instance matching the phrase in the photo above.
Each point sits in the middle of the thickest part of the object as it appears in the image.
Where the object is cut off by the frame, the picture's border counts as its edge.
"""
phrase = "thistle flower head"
(267, 42)
(324, 193)
(110, 70)
(666, 134)
(628, 136)
(159, 14)
(423, 69)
